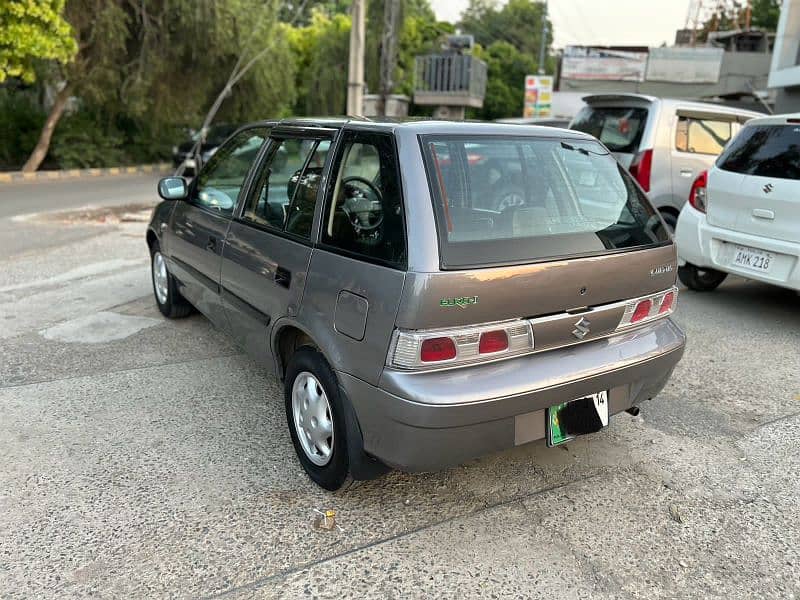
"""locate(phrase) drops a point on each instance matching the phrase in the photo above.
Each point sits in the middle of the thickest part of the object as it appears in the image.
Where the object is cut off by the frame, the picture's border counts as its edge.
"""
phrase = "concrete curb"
(17, 176)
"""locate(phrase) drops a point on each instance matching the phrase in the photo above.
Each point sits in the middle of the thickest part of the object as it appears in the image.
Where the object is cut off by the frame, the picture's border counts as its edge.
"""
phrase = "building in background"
(733, 67)
(784, 75)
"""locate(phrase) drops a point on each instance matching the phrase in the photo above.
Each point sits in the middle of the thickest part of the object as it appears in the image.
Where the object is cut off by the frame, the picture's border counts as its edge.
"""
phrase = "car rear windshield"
(764, 150)
(501, 200)
(619, 128)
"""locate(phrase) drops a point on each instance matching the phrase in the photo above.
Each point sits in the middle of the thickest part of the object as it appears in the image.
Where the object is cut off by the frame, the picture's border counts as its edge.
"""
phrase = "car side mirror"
(173, 188)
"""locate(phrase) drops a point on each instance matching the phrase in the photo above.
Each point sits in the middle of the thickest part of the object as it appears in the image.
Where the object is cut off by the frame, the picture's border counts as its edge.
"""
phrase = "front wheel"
(168, 299)
(700, 279)
(315, 415)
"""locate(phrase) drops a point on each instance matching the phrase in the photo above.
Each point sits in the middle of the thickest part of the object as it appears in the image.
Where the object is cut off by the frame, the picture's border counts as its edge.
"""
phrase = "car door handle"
(211, 245)
(283, 277)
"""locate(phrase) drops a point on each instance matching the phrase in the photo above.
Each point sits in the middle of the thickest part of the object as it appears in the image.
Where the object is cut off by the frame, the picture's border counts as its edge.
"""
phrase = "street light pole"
(543, 43)
(355, 70)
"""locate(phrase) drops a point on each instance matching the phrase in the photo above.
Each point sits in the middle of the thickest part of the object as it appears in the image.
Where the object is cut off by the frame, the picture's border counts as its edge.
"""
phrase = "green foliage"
(766, 14)
(85, 140)
(505, 87)
(320, 53)
(21, 119)
(31, 30)
(518, 22)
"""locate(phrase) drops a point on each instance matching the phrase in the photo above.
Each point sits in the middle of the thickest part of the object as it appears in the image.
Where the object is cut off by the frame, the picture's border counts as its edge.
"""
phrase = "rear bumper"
(705, 245)
(428, 421)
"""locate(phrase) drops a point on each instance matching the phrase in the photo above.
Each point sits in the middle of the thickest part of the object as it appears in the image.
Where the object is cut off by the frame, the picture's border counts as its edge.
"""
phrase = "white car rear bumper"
(705, 245)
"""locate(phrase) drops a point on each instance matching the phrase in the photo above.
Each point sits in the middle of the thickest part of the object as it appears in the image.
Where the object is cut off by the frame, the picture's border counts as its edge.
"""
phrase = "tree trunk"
(388, 59)
(43, 145)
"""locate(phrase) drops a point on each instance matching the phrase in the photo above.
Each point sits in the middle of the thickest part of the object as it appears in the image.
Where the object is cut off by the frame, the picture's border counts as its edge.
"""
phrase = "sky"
(601, 22)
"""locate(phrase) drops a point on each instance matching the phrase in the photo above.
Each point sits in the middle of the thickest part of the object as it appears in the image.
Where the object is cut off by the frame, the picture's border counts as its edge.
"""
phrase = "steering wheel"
(354, 215)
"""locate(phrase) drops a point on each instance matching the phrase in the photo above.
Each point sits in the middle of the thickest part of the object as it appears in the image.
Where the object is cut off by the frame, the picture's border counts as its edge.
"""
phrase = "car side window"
(300, 217)
(701, 136)
(276, 183)
(363, 209)
(219, 183)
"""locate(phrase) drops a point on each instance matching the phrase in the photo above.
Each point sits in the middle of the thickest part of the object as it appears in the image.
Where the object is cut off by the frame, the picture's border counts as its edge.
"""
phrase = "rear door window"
(511, 200)
(619, 128)
(363, 212)
(701, 136)
(764, 150)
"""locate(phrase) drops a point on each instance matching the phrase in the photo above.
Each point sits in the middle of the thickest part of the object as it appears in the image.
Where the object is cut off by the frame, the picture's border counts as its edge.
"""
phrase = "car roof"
(785, 119)
(422, 126)
(671, 102)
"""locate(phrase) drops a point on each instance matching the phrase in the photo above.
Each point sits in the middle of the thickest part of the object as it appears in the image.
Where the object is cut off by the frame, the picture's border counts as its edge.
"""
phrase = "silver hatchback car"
(427, 291)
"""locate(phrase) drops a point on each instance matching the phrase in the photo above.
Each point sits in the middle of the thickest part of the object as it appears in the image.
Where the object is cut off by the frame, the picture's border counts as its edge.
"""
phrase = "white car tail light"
(447, 347)
(648, 308)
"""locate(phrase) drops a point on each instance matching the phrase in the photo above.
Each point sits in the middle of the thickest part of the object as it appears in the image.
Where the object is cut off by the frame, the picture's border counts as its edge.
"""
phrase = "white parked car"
(743, 215)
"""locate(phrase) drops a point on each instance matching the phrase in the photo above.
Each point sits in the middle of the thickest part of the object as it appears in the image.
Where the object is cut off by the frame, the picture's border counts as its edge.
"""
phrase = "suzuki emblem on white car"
(767, 188)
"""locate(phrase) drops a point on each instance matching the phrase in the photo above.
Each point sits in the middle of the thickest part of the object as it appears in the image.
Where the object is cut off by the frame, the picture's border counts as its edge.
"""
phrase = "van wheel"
(700, 279)
(315, 416)
(168, 299)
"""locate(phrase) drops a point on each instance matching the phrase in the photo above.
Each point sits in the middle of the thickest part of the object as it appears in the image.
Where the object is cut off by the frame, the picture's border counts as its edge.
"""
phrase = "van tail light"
(437, 349)
(698, 195)
(649, 308)
(641, 168)
(421, 349)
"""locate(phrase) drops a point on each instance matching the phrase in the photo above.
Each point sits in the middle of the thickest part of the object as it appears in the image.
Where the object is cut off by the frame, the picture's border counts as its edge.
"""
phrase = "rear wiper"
(583, 151)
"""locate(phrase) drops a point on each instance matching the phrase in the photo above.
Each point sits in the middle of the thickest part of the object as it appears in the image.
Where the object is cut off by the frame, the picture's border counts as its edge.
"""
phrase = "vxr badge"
(582, 328)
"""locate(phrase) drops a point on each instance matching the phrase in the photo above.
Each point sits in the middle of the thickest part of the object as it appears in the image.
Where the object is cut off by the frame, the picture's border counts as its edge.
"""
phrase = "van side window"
(702, 136)
(277, 182)
(363, 210)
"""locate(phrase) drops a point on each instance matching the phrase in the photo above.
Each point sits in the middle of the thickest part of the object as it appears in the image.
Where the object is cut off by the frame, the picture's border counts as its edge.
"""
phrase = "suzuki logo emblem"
(582, 328)
(767, 188)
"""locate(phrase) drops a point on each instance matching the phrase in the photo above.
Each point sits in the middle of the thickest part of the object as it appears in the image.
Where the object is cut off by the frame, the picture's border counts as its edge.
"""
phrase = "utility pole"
(355, 70)
(391, 17)
(543, 43)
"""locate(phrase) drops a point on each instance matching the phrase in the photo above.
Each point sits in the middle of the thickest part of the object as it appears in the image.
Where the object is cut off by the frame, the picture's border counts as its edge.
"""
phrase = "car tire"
(314, 410)
(671, 221)
(700, 279)
(169, 300)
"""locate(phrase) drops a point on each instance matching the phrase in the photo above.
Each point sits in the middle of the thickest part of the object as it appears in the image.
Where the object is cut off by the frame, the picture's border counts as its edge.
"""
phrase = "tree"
(30, 31)
(505, 86)
(158, 62)
(765, 14)
(518, 22)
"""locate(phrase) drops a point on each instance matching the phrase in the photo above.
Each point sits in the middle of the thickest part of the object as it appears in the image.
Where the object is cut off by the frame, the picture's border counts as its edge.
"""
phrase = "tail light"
(641, 168)
(648, 308)
(446, 347)
(698, 196)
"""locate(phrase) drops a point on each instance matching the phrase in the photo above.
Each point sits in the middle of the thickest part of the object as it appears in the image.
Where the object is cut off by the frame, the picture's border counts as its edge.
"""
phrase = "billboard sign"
(538, 96)
(583, 62)
(685, 65)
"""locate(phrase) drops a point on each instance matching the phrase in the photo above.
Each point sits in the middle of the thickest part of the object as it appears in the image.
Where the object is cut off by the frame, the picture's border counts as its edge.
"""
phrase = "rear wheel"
(700, 279)
(670, 219)
(315, 415)
(168, 299)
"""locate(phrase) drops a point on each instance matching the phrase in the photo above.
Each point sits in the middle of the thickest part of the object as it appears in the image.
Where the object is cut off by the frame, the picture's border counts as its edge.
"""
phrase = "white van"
(664, 143)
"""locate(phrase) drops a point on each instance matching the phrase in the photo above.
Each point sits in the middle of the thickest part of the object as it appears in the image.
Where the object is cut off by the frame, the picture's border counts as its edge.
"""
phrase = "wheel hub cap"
(312, 418)
(160, 277)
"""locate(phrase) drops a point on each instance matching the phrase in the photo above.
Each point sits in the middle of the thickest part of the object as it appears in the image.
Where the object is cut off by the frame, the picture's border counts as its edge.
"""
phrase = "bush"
(81, 140)
(21, 121)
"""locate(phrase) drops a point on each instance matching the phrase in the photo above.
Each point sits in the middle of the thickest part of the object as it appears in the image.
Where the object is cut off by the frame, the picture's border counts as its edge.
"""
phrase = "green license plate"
(567, 420)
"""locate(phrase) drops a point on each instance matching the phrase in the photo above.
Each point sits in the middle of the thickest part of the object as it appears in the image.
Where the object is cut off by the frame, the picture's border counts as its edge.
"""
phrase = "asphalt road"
(141, 457)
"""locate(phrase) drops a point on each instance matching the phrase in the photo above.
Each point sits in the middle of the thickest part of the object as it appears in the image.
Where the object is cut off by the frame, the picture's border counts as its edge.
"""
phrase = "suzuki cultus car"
(428, 292)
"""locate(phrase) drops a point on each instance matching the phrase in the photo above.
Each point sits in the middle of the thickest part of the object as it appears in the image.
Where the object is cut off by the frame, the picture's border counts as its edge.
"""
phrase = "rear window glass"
(764, 150)
(511, 200)
(619, 128)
